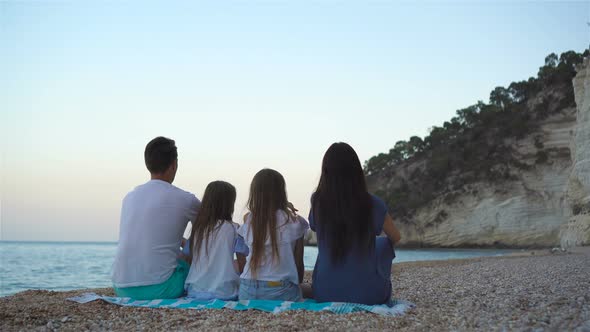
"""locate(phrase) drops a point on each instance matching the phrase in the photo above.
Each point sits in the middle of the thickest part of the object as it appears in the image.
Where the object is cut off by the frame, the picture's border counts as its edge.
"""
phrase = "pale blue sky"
(240, 86)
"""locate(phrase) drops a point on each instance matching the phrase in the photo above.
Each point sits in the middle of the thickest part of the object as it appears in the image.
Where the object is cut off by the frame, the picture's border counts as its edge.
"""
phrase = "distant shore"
(311, 242)
(525, 290)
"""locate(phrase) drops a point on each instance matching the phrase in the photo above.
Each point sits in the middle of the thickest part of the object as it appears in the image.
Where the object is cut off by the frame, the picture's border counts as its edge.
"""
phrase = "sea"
(76, 265)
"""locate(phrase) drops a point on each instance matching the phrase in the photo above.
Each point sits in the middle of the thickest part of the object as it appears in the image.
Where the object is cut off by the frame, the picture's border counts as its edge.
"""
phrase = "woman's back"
(359, 276)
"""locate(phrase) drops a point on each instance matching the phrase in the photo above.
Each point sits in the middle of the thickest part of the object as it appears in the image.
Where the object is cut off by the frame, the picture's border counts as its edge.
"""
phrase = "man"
(153, 219)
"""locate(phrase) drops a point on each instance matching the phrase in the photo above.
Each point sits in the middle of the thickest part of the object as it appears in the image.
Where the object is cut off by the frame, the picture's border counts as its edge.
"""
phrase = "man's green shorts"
(169, 289)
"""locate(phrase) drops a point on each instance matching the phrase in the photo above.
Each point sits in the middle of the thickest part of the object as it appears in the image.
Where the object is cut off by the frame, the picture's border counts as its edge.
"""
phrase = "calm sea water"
(75, 265)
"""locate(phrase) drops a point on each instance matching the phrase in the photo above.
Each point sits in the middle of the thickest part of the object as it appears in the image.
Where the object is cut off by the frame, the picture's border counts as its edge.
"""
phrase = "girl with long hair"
(213, 241)
(274, 233)
(353, 263)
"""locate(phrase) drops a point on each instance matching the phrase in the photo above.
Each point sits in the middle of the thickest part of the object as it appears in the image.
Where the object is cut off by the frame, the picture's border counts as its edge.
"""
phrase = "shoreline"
(524, 290)
(405, 246)
(395, 263)
(468, 246)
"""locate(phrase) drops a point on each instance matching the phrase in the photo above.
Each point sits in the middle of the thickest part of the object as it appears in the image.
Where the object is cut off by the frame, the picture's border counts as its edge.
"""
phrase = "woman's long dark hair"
(218, 204)
(342, 205)
(267, 195)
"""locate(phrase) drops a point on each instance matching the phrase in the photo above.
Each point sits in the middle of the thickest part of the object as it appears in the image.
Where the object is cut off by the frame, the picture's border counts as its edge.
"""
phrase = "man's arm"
(194, 206)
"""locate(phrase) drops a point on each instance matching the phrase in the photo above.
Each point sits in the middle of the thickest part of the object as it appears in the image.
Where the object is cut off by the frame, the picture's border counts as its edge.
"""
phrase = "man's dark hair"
(159, 154)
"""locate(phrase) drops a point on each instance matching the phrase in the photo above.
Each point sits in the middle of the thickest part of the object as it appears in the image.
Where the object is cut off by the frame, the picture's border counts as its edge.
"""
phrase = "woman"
(353, 264)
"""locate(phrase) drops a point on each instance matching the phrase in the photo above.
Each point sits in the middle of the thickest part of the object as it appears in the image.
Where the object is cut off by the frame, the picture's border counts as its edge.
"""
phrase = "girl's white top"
(213, 273)
(289, 230)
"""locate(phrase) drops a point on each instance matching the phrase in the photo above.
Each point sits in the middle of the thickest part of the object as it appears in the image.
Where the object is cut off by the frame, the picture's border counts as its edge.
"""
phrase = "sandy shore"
(530, 291)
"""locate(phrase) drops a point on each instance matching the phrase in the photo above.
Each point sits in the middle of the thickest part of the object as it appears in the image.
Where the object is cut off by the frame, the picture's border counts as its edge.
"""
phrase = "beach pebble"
(544, 292)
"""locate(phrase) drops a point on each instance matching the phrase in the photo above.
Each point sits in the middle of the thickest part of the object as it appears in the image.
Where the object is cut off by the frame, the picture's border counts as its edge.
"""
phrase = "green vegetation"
(475, 145)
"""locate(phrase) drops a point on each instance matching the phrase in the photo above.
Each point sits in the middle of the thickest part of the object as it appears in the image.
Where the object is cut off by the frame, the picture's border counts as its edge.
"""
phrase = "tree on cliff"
(473, 145)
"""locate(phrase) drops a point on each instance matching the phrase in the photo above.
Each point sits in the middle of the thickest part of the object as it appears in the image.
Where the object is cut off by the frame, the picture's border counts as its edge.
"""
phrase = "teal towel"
(399, 306)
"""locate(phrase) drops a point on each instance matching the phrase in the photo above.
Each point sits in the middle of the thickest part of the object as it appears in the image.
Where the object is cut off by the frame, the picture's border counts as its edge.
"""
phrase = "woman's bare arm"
(390, 230)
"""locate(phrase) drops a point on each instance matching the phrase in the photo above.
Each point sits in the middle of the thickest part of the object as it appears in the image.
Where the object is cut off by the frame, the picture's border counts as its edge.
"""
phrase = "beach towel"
(398, 308)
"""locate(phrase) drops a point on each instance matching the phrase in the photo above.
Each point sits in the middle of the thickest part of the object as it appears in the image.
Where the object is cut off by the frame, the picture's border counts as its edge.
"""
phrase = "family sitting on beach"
(262, 258)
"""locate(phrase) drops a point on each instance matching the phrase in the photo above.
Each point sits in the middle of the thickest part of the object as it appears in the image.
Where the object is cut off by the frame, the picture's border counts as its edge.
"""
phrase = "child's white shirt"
(213, 274)
(289, 230)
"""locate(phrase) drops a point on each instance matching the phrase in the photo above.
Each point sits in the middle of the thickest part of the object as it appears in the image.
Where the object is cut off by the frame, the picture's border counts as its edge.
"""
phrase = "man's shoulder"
(189, 198)
(180, 191)
(160, 188)
(137, 190)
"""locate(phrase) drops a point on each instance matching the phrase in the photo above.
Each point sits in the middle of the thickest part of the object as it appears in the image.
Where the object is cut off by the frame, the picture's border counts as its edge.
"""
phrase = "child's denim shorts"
(283, 290)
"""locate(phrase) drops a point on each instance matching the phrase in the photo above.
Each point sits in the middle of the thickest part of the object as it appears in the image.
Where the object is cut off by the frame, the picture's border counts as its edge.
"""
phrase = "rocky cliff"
(576, 229)
(536, 188)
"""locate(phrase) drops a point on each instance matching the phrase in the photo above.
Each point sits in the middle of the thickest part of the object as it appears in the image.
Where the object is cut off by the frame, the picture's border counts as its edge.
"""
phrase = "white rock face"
(576, 230)
(522, 214)
(546, 206)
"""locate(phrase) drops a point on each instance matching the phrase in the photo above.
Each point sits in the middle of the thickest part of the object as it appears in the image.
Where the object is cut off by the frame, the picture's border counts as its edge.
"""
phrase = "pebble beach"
(529, 291)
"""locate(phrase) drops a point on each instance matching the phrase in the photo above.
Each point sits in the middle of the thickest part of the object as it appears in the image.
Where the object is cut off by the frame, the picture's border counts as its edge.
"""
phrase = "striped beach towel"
(398, 308)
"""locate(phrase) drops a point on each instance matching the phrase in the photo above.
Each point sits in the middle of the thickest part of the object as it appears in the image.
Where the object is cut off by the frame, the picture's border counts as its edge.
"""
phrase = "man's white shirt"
(154, 217)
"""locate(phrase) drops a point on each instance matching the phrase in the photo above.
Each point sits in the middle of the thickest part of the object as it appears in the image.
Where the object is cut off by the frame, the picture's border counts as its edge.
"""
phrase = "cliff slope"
(511, 173)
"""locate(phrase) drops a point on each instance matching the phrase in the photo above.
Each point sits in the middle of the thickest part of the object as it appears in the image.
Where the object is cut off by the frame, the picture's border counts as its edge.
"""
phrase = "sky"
(240, 86)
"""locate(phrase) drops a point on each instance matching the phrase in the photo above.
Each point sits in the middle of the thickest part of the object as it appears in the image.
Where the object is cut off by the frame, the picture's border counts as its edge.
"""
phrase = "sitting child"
(274, 233)
(213, 241)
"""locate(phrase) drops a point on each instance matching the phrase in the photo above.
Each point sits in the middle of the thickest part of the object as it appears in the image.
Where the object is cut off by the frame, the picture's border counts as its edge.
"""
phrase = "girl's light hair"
(267, 196)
